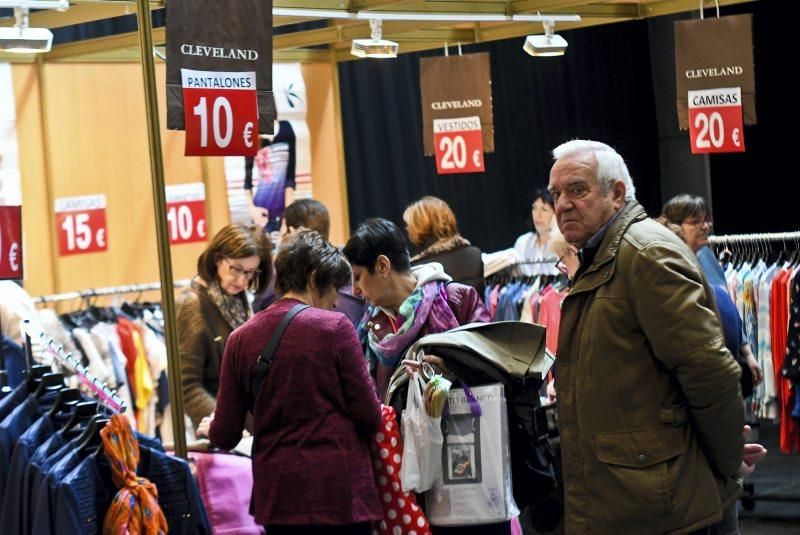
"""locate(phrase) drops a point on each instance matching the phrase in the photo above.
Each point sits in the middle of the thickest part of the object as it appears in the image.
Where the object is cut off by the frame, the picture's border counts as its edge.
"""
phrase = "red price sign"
(81, 223)
(459, 145)
(715, 120)
(220, 113)
(186, 213)
(10, 242)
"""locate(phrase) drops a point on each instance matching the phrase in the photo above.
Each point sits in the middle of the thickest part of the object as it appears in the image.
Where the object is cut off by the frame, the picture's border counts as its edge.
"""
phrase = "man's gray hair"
(610, 165)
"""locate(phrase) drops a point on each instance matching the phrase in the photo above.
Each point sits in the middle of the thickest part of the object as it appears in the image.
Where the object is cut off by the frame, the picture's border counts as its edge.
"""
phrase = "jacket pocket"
(632, 488)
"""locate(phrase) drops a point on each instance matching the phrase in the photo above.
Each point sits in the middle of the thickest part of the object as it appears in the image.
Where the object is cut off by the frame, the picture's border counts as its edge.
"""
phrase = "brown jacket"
(202, 333)
(650, 412)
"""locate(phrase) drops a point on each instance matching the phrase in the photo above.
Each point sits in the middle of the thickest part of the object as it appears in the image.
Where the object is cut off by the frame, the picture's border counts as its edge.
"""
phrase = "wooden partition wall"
(81, 129)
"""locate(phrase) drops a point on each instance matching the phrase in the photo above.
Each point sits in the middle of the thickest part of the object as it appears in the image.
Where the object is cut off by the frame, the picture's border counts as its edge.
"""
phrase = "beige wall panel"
(327, 153)
(35, 215)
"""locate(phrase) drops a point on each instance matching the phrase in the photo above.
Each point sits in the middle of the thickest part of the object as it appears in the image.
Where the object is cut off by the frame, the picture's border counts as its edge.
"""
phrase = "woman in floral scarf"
(405, 303)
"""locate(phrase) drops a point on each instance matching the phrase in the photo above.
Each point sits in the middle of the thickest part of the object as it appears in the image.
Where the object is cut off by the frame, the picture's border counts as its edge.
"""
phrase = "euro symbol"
(100, 237)
(248, 134)
(12, 256)
(201, 228)
(735, 136)
(476, 158)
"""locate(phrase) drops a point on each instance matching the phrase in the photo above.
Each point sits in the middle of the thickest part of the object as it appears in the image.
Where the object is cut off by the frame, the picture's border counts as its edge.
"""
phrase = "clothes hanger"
(49, 384)
(34, 377)
(91, 439)
(84, 411)
(67, 399)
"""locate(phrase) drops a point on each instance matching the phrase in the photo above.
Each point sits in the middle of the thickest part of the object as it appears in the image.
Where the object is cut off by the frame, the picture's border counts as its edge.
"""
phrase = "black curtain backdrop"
(601, 89)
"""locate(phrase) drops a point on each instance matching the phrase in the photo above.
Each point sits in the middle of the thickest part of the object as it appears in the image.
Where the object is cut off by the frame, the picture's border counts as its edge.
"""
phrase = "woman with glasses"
(238, 259)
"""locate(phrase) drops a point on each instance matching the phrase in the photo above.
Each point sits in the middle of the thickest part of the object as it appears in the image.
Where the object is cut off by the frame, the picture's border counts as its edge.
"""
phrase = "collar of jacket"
(441, 246)
(590, 279)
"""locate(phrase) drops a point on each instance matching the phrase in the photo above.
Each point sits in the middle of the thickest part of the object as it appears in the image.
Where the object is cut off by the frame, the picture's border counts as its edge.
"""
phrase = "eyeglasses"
(697, 223)
(562, 267)
(237, 272)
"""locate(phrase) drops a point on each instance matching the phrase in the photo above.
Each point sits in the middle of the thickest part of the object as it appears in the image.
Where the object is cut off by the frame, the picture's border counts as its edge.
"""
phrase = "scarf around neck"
(234, 308)
(427, 305)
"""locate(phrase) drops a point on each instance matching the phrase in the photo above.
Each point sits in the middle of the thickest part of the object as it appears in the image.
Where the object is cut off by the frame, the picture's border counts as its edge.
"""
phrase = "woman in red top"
(316, 409)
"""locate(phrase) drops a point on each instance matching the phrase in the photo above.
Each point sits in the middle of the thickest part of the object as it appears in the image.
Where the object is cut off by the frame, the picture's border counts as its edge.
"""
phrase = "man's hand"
(752, 454)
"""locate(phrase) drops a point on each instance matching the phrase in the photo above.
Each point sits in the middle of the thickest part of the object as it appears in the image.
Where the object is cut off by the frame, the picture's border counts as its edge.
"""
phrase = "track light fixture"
(549, 44)
(24, 40)
(376, 47)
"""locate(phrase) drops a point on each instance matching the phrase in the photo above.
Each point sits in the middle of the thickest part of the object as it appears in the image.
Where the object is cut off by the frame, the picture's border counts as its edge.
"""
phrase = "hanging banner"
(186, 213)
(459, 145)
(10, 242)
(715, 120)
(213, 70)
(81, 224)
(715, 53)
(453, 89)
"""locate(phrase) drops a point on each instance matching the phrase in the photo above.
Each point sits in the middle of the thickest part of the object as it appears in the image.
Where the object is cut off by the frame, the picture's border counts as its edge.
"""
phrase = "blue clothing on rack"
(13, 360)
(11, 517)
(86, 493)
(46, 499)
(13, 426)
(12, 401)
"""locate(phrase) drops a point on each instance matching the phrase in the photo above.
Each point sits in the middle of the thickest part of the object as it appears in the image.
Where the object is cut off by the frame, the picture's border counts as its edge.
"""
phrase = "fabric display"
(766, 296)
(401, 514)
(226, 484)
(475, 487)
(530, 299)
(64, 458)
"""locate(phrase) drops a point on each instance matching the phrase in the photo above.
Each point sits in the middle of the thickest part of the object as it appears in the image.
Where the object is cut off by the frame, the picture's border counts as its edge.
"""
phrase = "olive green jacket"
(649, 407)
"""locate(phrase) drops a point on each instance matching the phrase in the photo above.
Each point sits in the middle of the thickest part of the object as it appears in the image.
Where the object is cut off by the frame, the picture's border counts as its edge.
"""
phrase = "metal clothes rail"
(756, 237)
(101, 391)
(111, 290)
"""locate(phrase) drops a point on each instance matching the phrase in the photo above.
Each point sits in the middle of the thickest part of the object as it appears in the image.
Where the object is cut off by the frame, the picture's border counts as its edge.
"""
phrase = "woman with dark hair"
(315, 411)
(432, 227)
(405, 303)
(537, 243)
(237, 259)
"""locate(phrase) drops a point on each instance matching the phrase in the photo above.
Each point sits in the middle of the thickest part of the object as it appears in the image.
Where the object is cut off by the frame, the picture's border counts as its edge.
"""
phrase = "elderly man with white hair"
(650, 412)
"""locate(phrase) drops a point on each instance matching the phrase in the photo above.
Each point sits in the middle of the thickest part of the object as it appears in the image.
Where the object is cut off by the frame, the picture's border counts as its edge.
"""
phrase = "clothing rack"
(100, 390)
(762, 237)
(111, 290)
(528, 261)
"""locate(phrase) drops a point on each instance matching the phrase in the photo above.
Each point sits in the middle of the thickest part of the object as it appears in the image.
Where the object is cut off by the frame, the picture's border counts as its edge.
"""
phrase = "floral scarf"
(135, 508)
(427, 305)
(234, 308)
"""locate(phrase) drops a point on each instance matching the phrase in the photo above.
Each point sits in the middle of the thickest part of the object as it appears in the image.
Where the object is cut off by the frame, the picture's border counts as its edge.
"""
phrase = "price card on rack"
(715, 120)
(220, 113)
(10, 242)
(458, 145)
(186, 213)
(81, 224)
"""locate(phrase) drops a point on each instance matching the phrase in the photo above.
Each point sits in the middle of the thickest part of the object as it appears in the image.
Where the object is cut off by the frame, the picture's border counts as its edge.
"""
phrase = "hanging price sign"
(186, 213)
(715, 120)
(458, 145)
(81, 224)
(220, 113)
(10, 242)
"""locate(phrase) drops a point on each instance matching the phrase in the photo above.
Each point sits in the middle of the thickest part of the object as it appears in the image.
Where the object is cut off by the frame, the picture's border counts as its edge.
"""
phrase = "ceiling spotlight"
(375, 47)
(24, 40)
(549, 44)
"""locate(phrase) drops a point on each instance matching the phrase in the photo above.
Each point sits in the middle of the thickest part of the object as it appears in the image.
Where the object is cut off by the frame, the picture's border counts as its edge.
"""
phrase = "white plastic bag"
(422, 442)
